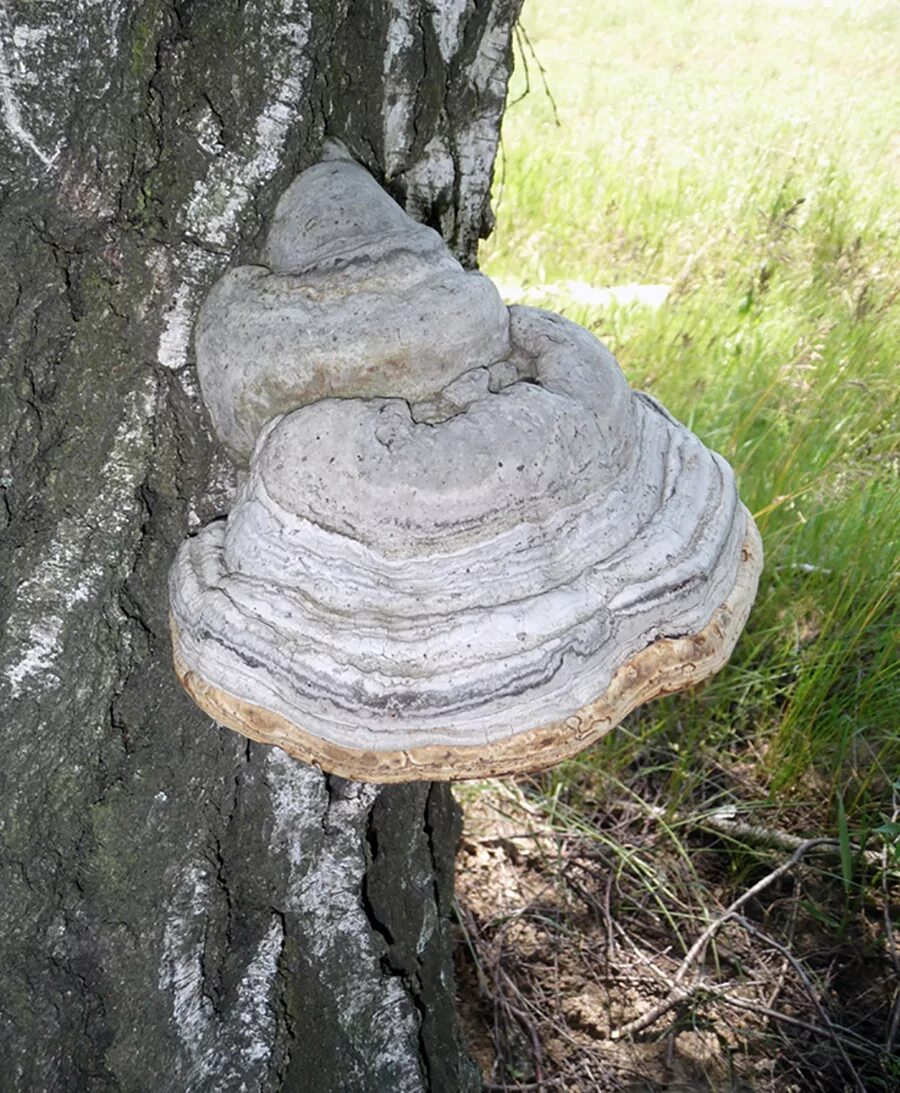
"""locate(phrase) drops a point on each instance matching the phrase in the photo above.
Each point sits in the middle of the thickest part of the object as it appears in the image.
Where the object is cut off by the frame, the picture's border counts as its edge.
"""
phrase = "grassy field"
(745, 156)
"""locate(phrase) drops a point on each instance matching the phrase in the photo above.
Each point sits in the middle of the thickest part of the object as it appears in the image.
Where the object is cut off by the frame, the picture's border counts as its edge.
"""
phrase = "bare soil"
(572, 971)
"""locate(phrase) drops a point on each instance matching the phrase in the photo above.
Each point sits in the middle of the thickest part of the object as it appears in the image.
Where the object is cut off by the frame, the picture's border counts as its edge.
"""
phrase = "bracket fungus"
(463, 545)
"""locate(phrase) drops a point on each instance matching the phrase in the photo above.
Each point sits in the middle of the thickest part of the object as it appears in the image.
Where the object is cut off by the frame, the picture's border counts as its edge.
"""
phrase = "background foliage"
(747, 157)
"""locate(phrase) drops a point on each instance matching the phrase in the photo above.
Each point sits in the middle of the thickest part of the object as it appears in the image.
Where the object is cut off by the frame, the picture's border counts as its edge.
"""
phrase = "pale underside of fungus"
(463, 546)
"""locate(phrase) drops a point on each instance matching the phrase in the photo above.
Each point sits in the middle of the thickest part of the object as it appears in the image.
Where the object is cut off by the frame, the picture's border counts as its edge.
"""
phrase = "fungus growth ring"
(463, 546)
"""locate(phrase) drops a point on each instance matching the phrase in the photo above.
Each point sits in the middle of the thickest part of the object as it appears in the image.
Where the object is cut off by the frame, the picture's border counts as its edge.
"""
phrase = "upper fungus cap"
(450, 579)
(353, 300)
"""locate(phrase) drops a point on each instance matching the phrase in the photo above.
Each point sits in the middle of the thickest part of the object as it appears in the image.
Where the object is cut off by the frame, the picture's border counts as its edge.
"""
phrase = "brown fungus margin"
(663, 667)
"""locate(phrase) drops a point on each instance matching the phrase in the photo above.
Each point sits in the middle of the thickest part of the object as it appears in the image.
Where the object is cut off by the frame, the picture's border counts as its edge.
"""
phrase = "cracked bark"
(182, 909)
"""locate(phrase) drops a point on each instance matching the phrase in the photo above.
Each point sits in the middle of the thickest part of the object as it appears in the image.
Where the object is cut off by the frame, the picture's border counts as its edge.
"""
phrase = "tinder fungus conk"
(464, 546)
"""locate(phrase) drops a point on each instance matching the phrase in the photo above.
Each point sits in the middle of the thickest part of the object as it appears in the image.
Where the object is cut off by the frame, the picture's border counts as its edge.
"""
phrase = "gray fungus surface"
(459, 527)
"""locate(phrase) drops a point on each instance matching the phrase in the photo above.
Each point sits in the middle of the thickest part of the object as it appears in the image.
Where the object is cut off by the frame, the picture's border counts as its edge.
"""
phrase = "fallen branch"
(724, 821)
(679, 993)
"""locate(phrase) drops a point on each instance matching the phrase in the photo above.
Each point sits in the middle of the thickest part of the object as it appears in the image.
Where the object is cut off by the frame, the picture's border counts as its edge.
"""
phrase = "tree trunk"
(182, 909)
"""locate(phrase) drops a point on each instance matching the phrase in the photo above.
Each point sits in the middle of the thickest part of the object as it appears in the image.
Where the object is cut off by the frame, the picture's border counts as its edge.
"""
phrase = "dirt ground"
(573, 972)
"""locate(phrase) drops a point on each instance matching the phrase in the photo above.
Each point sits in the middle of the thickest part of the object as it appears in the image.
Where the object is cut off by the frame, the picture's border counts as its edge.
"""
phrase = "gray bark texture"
(181, 909)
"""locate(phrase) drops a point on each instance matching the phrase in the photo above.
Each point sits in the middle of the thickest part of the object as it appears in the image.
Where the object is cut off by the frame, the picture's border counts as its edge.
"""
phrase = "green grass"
(747, 155)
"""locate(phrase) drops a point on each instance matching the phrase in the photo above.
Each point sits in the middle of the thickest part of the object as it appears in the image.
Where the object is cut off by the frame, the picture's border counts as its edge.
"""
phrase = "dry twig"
(724, 821)
(679, 993)
(830, 1027)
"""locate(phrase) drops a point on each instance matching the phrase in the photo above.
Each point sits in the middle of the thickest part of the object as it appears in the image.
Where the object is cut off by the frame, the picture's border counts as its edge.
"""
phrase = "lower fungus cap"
(476, 587)
(665, 666)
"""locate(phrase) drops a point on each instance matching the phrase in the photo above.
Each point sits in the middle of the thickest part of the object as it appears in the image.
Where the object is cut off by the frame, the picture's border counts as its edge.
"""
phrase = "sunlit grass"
(747, 155)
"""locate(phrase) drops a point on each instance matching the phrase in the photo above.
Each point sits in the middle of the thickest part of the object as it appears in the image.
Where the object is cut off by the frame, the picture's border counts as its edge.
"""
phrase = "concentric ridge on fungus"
(464, 546)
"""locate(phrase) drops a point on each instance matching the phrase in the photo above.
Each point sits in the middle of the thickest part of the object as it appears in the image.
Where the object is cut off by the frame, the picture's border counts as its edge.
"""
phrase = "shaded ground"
(569, 937)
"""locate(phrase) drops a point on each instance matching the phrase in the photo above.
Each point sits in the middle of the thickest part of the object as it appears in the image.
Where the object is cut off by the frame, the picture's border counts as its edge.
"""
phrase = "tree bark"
(182, 909)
